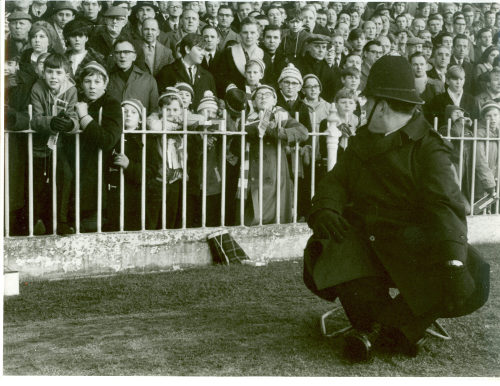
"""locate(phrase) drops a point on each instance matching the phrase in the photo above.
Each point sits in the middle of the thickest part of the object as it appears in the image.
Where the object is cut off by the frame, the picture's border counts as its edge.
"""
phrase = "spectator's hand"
(306, 154)
(327, 224)
(82, 109)
(121, 160)
(61, 124)
(490, 191)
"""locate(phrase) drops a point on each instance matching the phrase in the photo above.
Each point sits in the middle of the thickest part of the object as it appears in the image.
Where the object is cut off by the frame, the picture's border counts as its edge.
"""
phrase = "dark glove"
(457, 284)
(61, 124)
(327, 224)
(11, 119)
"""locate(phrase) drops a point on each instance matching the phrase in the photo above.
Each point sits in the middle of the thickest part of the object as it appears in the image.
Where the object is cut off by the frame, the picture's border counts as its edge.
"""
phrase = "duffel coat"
(399, 193)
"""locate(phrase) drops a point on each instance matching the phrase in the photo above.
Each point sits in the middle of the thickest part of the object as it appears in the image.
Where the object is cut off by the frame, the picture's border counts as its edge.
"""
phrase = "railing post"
(6, 185)
(77, 183)
(184, 170)
(99, 181)
(243, 181)
(164, 171)
(143, 171)
(278, 173)
(223, 171)
(30, 174)
(332, 144)
(122, 178)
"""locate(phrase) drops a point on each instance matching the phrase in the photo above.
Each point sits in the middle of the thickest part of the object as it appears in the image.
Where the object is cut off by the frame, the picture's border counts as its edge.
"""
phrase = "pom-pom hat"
(183, 86)
(136, 103)
(171, 92)
(290, 71)
(209, 101)
(97, 67)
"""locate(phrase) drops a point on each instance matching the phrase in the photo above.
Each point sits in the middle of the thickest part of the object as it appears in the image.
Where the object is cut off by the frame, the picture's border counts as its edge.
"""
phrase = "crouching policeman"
(390, 215)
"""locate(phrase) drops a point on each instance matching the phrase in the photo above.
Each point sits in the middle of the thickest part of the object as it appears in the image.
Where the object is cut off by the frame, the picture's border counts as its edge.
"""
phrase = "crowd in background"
(95, 67)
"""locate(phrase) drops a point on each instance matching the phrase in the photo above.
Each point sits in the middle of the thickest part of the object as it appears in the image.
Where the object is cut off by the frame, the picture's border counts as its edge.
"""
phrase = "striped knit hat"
(291, 71)
(209, 101)
(487, 106)
(257, 61)
(93, 65)
(183, 86)
(171, 92)
(312, 76)
(136, 103)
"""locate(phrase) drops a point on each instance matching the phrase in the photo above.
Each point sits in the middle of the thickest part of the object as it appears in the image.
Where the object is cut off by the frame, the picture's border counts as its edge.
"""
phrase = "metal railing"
(466, 145)
(332, 139)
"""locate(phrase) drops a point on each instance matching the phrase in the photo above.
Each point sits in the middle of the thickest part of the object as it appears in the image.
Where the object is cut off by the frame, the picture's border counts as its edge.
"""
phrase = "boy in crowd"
(294, 39)
(53, 99)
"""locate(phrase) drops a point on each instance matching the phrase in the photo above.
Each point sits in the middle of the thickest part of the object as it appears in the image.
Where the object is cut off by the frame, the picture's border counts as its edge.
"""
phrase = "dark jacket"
(132, 182)
(176, 72)
(93, 138)
(140, 85)
(92, 55)
(327, 75)
(437, 106)
(400, 196)
(274, 65)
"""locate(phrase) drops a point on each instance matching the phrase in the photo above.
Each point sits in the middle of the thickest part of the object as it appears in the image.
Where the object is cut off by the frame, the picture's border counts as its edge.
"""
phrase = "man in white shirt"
(442, 57)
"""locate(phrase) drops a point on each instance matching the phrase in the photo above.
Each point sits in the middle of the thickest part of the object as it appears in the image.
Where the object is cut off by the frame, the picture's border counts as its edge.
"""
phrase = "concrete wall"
(55, 257)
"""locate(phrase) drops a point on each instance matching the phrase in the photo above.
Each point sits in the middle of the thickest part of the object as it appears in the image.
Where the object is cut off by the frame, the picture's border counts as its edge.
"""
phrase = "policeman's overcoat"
(399, 193)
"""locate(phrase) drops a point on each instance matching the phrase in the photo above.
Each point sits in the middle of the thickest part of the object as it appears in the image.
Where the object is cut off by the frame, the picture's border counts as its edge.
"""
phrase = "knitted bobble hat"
(209, 101)
(136, 103)
(171, 92)
(290, 71)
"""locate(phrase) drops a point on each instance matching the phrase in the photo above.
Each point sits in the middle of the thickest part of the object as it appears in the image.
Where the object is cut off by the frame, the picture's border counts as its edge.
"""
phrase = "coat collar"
(368, 145)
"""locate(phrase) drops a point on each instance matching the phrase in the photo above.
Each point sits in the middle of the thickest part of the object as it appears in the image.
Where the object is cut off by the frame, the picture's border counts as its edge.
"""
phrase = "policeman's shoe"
(64, 229)
(39, 228)
(393, 341)
(358, 346)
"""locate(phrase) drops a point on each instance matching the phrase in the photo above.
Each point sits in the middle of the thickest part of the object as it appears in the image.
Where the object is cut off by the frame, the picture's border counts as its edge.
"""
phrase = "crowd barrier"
(332, 135)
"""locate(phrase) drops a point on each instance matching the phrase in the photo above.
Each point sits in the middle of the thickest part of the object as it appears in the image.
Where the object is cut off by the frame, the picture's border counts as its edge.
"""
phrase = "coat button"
(372, 238)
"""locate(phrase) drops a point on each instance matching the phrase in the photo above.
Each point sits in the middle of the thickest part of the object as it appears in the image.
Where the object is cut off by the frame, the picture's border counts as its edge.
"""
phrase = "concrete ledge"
(55, 257)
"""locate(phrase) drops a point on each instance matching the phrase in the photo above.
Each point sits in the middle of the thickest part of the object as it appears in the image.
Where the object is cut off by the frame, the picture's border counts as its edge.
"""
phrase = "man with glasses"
(372, 51)
(169, 15)
(188, 69)
(225, 18)
(128, 81)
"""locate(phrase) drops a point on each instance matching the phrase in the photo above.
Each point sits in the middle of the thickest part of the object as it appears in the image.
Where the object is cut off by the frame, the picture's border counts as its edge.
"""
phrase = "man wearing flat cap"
(390, 215)
(19, 28)
(102, 40)
(313, 63)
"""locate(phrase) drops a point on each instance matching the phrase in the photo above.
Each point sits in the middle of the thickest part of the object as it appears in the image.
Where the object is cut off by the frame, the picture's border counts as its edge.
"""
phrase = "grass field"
(219, 320)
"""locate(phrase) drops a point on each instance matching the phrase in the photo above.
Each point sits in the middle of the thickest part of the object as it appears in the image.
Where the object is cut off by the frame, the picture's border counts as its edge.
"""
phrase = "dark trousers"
(366, 301)
(194, 210)
(173, 205)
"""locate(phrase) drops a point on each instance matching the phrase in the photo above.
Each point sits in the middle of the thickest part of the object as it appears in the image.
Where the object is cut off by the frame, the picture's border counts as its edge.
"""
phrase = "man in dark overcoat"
(389, 215)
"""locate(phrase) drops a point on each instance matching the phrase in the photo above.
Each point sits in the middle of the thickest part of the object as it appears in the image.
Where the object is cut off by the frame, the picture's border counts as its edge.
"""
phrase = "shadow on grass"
(218, 320)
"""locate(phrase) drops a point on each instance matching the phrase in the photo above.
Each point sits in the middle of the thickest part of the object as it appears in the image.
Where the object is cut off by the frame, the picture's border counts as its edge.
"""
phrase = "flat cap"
(60, 5)
(18, 15)
(414, 40)
(317, 39)
(116, 11)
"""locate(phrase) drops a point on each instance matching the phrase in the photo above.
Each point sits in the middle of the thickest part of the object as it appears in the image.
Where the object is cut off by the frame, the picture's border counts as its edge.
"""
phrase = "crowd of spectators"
(95, 67)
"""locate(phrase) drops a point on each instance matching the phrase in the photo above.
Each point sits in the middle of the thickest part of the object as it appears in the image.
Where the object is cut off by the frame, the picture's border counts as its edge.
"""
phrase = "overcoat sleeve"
(441, 206)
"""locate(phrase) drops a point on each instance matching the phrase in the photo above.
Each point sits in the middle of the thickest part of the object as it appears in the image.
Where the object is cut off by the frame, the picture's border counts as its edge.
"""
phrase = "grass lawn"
(218, 320)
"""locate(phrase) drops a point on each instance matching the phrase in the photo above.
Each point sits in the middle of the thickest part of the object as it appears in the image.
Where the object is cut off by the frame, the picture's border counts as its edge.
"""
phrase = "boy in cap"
(272, 124)
(63, 13)
(129, 159)
(100, 117)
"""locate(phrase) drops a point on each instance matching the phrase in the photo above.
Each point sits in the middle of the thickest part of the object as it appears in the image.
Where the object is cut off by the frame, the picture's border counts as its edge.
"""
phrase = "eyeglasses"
(175, 6)
(288, 83)
(315, 87)
(263, 95)
(125, 52)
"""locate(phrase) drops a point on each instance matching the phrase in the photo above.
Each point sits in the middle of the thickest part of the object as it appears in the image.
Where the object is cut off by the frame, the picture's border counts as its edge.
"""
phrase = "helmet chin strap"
(372, 111)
